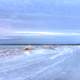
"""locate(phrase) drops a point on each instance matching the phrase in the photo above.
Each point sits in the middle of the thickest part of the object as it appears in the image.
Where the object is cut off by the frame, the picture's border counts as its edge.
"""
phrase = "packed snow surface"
(60, 63)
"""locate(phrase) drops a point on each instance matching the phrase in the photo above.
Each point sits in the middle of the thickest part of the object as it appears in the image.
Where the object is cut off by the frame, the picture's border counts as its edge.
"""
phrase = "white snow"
(61, 63)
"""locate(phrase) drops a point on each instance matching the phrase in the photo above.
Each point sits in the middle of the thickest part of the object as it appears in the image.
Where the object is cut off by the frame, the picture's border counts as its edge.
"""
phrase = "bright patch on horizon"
(47, 33)
(25, 33)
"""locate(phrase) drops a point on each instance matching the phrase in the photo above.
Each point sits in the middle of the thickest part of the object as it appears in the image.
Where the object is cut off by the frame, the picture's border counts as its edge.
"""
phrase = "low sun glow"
(27, 33)
(47, 33)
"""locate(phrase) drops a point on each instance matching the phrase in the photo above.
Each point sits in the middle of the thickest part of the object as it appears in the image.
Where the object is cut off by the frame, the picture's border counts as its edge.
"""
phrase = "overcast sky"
(39, 16)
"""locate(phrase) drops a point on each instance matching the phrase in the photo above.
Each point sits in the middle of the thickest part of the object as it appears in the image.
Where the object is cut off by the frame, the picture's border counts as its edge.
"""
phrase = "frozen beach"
(59, 63)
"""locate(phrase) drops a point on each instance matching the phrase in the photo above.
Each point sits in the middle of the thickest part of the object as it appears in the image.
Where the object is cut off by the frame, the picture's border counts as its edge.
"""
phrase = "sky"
(18, 17)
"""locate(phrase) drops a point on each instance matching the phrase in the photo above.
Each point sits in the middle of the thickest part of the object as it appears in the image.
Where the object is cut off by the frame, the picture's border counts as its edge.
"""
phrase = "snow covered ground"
(61, 63)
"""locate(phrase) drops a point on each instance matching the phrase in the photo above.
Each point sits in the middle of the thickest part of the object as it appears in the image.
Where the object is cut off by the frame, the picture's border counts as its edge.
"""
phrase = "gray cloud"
(40, 15)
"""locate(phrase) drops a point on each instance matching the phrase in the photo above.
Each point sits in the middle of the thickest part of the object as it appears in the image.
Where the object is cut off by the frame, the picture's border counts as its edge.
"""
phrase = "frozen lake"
(60, 63)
